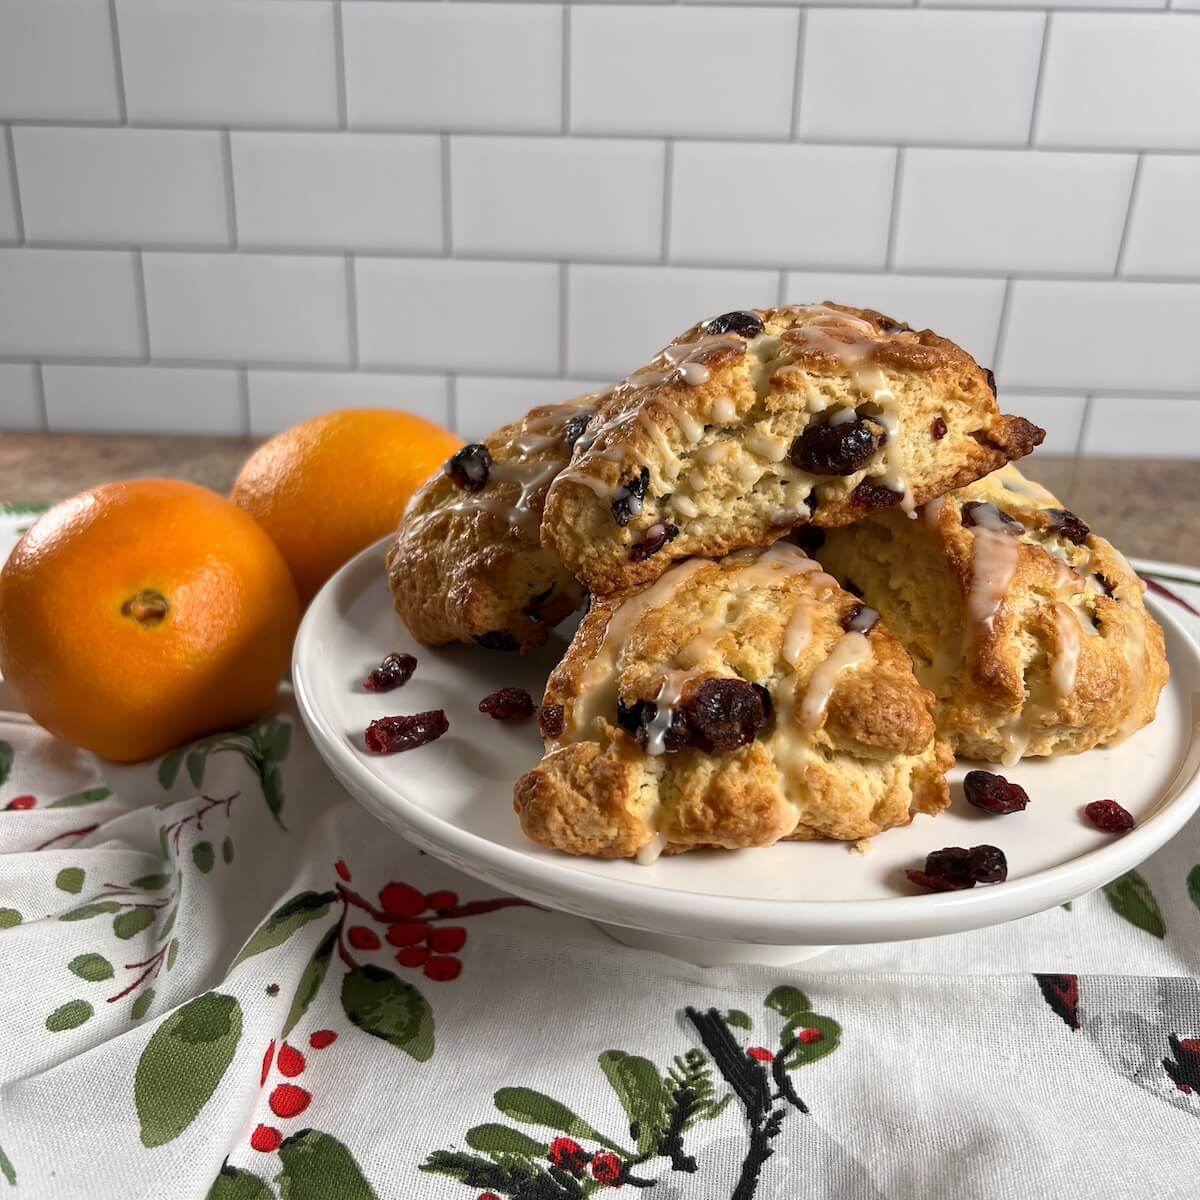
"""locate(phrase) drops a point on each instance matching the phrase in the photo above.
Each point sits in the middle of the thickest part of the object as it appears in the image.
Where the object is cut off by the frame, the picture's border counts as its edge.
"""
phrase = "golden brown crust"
(711, 426)
(1036, 644)
(866, 762)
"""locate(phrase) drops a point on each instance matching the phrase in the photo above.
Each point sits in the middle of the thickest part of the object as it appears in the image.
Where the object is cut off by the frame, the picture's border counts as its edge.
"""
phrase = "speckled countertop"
(1149, 509)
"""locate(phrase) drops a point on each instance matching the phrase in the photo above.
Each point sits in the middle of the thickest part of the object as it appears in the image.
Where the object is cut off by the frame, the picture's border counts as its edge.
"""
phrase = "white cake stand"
(453, 799)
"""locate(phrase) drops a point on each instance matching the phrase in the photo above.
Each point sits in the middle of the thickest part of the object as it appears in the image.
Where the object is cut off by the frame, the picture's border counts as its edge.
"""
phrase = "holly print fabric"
(223, 979)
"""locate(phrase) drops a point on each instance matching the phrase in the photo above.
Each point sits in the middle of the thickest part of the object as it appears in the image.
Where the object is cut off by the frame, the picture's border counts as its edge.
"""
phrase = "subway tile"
(556, 197)
(248, 308)
(1012, 210)
(142, 400)
(1102, 335)
(1061, 416)
(919, 76)
(966, 311)
(644, 70)
(483, 405)
(1122, 81)
(56, 60)
(281, 398)
(9, 230)
(69, 302)
(338, 190)
(1163, 237)
(1156, 427)
(840, 221)
(142, 186)
(229, 62)
(20, 407)
(454, 66)
(620, 317)
(456, 314)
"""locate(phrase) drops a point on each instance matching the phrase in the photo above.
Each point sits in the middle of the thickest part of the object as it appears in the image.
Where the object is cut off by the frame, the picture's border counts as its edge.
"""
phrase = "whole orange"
(136, 616)
(329, 487)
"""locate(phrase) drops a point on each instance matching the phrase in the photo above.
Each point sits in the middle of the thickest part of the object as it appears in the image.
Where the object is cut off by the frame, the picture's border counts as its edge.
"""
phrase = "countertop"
(1148, 508)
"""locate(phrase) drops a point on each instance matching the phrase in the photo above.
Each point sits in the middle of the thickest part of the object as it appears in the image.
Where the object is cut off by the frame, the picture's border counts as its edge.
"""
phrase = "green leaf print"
(514, 1177)
(203, 856)
(316, 1166)
(6, 762)
(236, 1183)
(642, 1094)
(1193, 885)
(383, 1005)
(168, 924)
(227, 850)
(7, 1170)
(172, 953)
(1130, 897)
(293, 914)
(131, 923)
(536, 1108)
(809, 1051)
(92, 967)
(262, 746)
(151, 883)
(310, 981)
(184, 1060)
(94, 909)
(787, 1001)
(79, 799)
(501, 1139)
(142, 1004)
(168, 769)
(70, 879)
(738, 1019)
(9, 918)
(69, 1016)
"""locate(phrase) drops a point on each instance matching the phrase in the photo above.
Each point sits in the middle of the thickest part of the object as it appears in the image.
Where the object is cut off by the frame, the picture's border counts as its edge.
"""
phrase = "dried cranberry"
(810, 538)
(986, 515)
(660, 536)
(955, 868)
(395, 671)
(573, 429)
(727, 713)
(667, 741)
(389, 735)
(498, 639)
(508, 704)
(747, 324)
(630, 717)
(471, 467)
(870, 496)
(994, 793)
(952, 862)
(829, 449)
(628, 498)
(937, 883)
(939, 428)
(550, 720)
(1109, 816)
(987, 864)
(991, 379)
(1066, 524)
(860, 619)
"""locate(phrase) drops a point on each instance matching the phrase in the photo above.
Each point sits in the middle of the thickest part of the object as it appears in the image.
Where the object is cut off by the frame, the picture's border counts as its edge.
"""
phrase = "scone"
(755, 422)
(731, 703)
(1029, 628)
(466, 565)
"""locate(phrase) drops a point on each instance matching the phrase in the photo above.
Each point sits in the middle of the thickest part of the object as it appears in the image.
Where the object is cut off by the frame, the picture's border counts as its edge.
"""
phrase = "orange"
(329, 487)
(136, 616)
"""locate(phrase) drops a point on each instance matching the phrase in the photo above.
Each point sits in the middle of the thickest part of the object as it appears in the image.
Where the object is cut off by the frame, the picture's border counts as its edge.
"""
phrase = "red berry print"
(760, 1054)
(322, 1038)
(400, 900)
(606, 1168)
(806, 1037)
(440, 900)
(442, 968)
(362, 938)
(568, 1155)
(412, 956)
(20, 803)
(290, 1061)
(266, 1138)
(488, 1196)
(288, 1100)
(448, 940)
(407, 933)
(342, 870)
(268, 1058)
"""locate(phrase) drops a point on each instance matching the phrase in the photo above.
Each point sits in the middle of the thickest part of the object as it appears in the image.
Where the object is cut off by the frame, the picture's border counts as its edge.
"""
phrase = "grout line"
(452, 402)
(797, 72)
(244, 399)
(39, 383)
(352, 309)
(1002, 327)
(667, 194)
(563, 311)
(447, 231)
(1084, 422)
(1036, 107)
(565, 83)
(118, 66)
(143, 305)
(339, 65)
(230, 189)
(1134, 191)
(18, 211)
(894, 219)
(781, 294)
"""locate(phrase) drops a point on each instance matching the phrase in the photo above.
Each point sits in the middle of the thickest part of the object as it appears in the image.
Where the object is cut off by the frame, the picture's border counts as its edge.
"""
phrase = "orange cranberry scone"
(1028, 627)
(733, 702)
(755, 422)
(466, 565)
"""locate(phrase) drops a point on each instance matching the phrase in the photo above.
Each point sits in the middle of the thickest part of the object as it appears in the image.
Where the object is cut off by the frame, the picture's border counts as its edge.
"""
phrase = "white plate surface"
(453, 798)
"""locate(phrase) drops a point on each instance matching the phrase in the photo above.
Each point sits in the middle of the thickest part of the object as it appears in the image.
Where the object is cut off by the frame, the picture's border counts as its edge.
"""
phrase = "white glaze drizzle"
(797, 636)
(686, 506)
(994, 558)
(852, 650)
(1066, 660)
(724, 410)
(863, 620)
(651, 852)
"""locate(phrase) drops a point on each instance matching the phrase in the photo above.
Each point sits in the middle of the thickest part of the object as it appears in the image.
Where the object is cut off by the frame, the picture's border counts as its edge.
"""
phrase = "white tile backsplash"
(1164, 225)
(843, 222)
(368, 191)
(1154, 427)
(135, 186)
(248, 308)
(456, 66)
(458, 315)
(281, 398)
(1060, 415)
(934, 77)
(557, 197)
(9, 225)
(485, 404)
(1013, 210)
(1121, 81)
(645, 70)
(129, 399)
(20, 407)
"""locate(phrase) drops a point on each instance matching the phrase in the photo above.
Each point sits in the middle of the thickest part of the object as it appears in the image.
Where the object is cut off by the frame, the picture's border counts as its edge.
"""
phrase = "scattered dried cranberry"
(829, 449)
(987, 515)
(860, 619)
(660, 535)
(395, 671)
(991, 379)
(1109, 816)
(810, 538)
(573, 429)
(389, 735)
(956, 868)
(1066, 524)
(508, 704)
(938, 883)
(994, 793)
(939, 429)
(747, 324)
(498, 639)
(629, 497)
(550, 720)
(727, 713)
(870, 496)
(471, 467)
(668, 741)
(988, 864)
